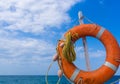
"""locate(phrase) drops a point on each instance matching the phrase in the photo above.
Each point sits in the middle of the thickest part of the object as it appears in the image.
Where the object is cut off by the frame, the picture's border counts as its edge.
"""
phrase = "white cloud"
(32, 16)
(35, 15)
(97, 53)
(25, 49)
(18, 18)
(92, 52)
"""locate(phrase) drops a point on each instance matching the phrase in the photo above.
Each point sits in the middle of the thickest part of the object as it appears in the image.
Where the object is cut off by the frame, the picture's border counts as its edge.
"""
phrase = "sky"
(30, 30)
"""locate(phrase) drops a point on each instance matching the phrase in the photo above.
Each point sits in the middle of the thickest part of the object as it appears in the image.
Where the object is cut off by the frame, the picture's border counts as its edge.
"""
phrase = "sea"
(37, 79)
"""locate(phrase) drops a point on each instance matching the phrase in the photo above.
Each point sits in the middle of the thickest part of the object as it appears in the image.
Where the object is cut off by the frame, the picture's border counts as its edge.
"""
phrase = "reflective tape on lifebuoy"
(113, 67)
(100, 32)
(103, 73)
(74, 75)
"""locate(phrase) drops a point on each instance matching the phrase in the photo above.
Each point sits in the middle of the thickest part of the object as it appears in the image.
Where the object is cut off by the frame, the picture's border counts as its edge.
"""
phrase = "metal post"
(80, 15)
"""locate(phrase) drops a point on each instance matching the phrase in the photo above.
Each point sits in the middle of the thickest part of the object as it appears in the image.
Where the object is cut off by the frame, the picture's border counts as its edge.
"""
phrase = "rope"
(68, 49)
(80, 81)
(46, 77)
(58, 80)
(90, 21)
(117, 60)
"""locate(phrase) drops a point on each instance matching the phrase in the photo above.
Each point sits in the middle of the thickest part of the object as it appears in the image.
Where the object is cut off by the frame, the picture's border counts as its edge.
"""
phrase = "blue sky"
(30, 29)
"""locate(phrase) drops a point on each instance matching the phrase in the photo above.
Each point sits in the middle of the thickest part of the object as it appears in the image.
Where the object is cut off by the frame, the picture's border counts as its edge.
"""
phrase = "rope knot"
(68, 49)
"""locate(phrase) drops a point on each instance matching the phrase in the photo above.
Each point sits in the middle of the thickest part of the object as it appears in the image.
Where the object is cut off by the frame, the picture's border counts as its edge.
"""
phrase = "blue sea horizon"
(39, 79)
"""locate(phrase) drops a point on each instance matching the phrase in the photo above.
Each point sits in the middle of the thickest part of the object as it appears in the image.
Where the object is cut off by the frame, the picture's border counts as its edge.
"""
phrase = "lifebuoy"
(106, 71)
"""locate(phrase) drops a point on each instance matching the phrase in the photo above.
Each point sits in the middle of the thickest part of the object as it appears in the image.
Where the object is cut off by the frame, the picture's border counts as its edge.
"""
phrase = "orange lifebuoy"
(106, 71)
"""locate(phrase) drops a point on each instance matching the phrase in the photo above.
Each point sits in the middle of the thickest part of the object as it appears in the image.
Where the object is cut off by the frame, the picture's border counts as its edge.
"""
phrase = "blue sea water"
(33, 79)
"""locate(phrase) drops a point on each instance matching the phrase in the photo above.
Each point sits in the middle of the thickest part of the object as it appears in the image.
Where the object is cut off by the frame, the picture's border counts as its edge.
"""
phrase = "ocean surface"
(33, 79)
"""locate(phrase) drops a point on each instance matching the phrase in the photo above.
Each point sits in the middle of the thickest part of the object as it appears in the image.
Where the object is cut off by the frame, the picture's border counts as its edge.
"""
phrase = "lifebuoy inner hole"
(96, 53)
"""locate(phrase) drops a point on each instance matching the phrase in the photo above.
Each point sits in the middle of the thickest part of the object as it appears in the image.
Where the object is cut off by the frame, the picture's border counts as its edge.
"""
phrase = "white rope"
(58, 80)
(117, 60)
(46, 77)
(80, 81)
(90, 21)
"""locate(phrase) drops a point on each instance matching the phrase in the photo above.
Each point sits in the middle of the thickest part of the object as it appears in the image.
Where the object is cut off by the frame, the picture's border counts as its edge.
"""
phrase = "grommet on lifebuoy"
(103, 73)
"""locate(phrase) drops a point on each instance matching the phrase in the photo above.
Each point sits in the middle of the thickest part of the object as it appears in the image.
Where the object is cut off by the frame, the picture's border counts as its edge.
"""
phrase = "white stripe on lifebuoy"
(100, 32)
(74, 75)
(110, 65)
